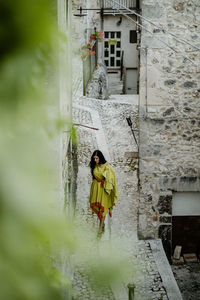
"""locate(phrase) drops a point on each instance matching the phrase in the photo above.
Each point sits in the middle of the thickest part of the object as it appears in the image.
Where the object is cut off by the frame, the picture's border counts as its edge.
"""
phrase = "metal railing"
(89, 65)
(122, 65)
(127, 3)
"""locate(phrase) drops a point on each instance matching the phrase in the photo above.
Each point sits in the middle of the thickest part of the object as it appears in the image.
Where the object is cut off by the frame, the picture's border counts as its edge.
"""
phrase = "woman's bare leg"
(101, 225)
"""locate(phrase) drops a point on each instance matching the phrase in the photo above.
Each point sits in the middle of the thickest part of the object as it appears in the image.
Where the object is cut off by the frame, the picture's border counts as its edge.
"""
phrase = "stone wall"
(169, 114)
(98, 86)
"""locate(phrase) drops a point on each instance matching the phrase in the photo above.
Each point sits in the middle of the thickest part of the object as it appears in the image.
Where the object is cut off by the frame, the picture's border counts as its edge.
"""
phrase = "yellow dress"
(103, 193)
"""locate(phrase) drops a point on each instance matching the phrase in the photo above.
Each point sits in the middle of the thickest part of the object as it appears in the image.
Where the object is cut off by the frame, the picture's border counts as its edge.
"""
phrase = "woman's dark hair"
(101, 160)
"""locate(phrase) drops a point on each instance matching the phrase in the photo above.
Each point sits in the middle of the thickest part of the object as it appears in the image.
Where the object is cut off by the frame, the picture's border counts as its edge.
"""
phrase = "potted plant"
(97, 35)
(86, 50)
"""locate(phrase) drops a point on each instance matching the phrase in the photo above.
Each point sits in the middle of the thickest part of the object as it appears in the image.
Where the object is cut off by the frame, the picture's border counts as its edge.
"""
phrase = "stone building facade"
(169, 151)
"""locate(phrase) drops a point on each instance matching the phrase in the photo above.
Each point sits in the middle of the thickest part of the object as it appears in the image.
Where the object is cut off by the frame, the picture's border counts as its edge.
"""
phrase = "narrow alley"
(122, 77)
(140, 61)
(114, 138)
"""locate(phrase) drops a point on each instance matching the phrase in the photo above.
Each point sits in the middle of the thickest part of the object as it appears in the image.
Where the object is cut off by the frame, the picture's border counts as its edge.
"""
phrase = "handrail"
(122, 65)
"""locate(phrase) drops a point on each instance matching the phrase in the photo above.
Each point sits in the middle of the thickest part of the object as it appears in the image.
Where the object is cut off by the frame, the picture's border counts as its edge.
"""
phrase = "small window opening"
(133, 36)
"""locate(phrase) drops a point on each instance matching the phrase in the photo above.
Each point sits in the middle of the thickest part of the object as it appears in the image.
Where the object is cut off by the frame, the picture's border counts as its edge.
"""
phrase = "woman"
(103, 193)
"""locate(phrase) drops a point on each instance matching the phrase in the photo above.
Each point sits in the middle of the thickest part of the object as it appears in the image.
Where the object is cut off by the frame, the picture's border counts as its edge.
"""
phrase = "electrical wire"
(157, 26)
(138, 24)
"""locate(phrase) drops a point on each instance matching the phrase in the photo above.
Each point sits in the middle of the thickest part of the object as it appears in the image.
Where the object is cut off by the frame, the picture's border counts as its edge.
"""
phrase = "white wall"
(186, 204)
(130, 52)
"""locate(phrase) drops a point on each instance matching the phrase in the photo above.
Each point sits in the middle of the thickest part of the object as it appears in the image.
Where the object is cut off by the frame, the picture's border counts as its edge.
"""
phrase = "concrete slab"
(130, 99)
(165, 270)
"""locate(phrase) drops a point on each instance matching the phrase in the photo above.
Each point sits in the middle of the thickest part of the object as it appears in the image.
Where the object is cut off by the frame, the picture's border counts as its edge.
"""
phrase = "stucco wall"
(130, 51)
(169, 113)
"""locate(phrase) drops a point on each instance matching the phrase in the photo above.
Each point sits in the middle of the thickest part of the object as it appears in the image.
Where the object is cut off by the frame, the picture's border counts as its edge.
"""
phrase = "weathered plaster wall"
(111, 23)
(169, 113)
(63, 107)
(82, 27)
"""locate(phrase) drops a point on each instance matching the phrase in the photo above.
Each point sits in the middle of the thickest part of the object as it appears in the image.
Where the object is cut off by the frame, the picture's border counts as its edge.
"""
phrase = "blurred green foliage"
(30, 230)
(36, 239)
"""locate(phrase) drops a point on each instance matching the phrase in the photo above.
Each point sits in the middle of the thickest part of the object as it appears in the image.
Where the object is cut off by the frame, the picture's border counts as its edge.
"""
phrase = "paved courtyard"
(188, 279)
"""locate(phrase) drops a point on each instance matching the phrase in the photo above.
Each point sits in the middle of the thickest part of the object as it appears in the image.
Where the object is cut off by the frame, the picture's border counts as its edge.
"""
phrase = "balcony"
(126, 3)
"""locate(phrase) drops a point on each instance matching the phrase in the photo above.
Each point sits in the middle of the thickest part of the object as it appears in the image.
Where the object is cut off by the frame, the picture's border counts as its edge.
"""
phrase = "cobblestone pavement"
(122, 228)
(188, 279)
(87, 289)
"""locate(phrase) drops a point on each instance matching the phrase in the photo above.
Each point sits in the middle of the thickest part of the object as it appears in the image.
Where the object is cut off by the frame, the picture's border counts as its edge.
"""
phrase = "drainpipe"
(100, 53)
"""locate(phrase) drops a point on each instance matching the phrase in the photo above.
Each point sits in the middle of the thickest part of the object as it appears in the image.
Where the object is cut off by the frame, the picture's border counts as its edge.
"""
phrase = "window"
(106, 34)
(133, 36)
(112, 35)
(106, 44)
(118, 63)
(112, 61)
(118, 53)
(106, 53)
(112, 49)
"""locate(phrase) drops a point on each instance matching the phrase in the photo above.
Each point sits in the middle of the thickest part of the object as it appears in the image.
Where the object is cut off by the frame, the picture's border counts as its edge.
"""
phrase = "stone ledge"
(180, 184)
(165, 271)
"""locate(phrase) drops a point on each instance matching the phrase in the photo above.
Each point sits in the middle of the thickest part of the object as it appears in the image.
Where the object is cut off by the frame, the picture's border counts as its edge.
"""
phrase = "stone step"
(114, 76)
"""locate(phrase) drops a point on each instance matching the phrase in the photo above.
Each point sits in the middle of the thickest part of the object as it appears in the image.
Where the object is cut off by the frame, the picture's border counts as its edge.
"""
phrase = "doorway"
(112, 50)
(131, 81)
(186, 221)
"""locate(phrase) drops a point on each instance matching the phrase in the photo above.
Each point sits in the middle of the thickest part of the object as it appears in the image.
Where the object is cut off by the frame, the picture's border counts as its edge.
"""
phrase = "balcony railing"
(126, 3)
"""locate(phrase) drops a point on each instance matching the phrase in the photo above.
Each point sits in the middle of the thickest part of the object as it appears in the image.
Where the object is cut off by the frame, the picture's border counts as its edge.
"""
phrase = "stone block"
(177, 252)
(190, 257)
(142, 222)
(149, 199)
(153, 11)
(131, 154)
(178, 5)
(181, 184)
(168, 112)
(165, 219)
(189, 84)
(157, 121)
(170, 82)
(179, 261)
(153, 109)
(165, 204)
(188, 183)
